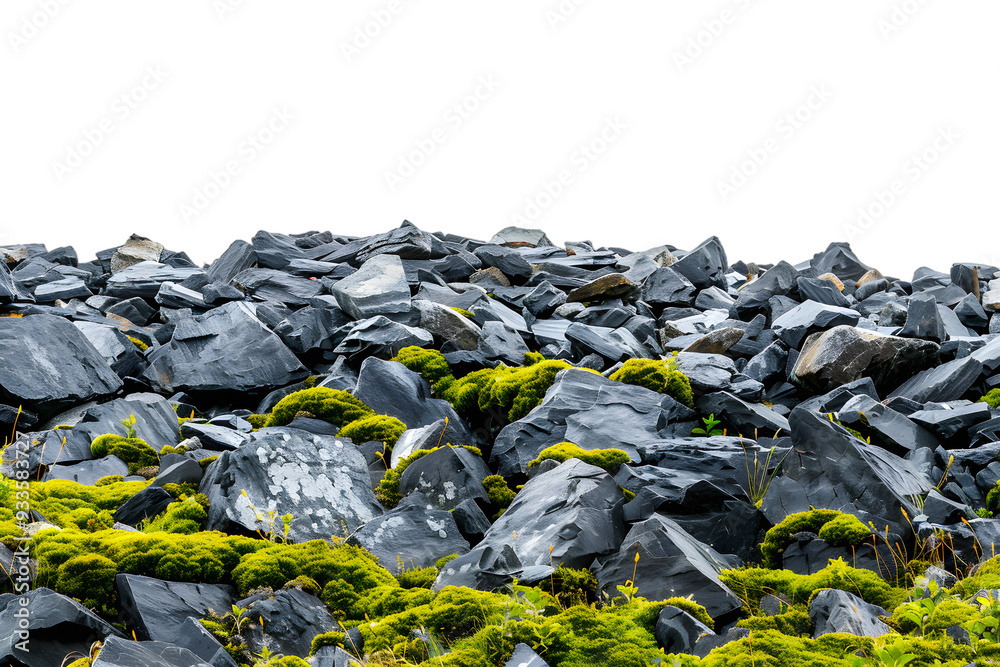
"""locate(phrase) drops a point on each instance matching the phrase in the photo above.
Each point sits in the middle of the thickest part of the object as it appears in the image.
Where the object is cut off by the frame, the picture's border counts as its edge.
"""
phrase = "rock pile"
(304, 389)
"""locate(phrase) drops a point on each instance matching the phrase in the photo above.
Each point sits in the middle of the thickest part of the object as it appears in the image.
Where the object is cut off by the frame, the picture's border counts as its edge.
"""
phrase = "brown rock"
(716, 341)
(611, 286)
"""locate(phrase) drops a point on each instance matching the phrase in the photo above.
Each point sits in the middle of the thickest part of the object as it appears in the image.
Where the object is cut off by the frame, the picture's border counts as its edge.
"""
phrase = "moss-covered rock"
(780, 536)
(992, 398)
(380, 428)
(332, 405)
(609, 459)
(499, 493)
(658, 375)
(133, 451)
(844, 531)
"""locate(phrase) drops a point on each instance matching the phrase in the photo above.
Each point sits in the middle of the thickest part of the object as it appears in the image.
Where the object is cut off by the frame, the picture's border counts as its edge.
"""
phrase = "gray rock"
(410, 536)
(923, 319)
(671, 563)
(523, 656)
(520, 235)
(769, 364)
(380, 336)
(135, 310)
(575, 509)
(498, 341)
(678, 631)
(87, 472)
(948, 423)
(291, 619)
(714, 297)
(793, 326)
(592, 412)
(446, 324)
(144, 505)
(46, 362)
(745, 418)
(379, 287)
(119, 352)
(704, 266)
(755, 294)
(10, 291)
(277, 286)
(390, 388)
(716, 372)
(157, 609)
(506, 260)
(238, 257)
(117, 652)
(839, 259)
(544, 299)
(321, 481)
(144, 279)
(845, 353)
(717, 341)
(57, 626)
(406, 242)
(63, 289)
(209, 352)
(946, 382)
(839, 611)
(445, 478)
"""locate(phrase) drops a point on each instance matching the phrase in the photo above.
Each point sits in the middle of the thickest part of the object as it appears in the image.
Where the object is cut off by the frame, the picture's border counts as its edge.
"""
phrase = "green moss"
(58, 499)
(305, 584)
(138, 343)
(753, 583)
(609, 459)
(444, 560)
(844, 531)
(573, 586)
(658, 375)
(421, 577)
(90, 578)
(133, 451)
(109, 479)
(987, 576)
(311, 381)
(184, 517)
(515, 389)
(463, 312)
(780, 536)
(793, 622)
(770, 648)
(993, 499)
(331, 405)
(381, 428)
(992, 398)
(498, 491)
(82, 662)
(208, 460)
(333, 638)
(258, 421)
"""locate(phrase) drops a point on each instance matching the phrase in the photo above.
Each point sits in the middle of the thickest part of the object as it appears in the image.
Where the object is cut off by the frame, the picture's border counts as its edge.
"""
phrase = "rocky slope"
(418, 448)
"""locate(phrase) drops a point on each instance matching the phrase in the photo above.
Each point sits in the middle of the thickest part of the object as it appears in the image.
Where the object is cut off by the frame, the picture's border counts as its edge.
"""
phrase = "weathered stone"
(411, 536)
(793, 326)
(379, 287)
(136, 249)
(704, 266)
(923, 319)
(611, 286)
(144, 279)
(447, 324)
(157, 609)
(717, 341)
(839, 611)
(946, 382)
(292, 618)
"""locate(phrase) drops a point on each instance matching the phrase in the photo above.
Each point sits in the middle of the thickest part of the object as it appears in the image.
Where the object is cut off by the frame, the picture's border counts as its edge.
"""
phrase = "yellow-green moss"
(499, 493)
(609, 459)
(257, 421)
(658, 375)
(331, 405)
(992, 398)
(780, 536)
(138, 343)
(133, 451)
(380, 428)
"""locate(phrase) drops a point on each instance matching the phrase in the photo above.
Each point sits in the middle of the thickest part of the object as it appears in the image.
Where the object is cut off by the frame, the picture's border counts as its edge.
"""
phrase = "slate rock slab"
(379, 287)
(291, 619)
(227, 348)
(47, 362)
(57, 626)
(576, 509)
(839, 611)
(321, 481)
(411, 536)
(157, 609)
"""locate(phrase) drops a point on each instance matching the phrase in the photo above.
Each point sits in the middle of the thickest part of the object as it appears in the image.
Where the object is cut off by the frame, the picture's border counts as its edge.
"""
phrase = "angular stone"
(839, 611)
(839, 259)
(157, 609)
(172, 295)
(380, 336)
(238, 257)
(971, 313)
(713, 297)
(923, 320)
(793, 326)
(119, 352)
(746, 418)
(520, 236)
(823, 291)
(411, 536)
(46, 362)
(717, 341)
(63, 289)
(445, 478)
(209, 352)
(447, 324)
(671, 563)
(946, 382)
(611, 286)
(949, 423)
(704, 266)
(144, 279)
(755, 294)
(768, 364)
(678, 631)
(406, 242)
(57, 626)
(144, 505)
(563, 517)
(292, 618)
(716, 372)
(321, 481)
(544, 299)
(845, 353)
(390, 388)
(498, 341)
(379, 287)
(87, 472)
(507, 260)
(135, 310)
(312, 328)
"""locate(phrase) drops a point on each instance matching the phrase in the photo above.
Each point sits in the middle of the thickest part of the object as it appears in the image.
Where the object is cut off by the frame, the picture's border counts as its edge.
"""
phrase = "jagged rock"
(321, 481)
(839, 611)
(46, 362)
(56, 626)
(947, 423)
(888, 428)
(923, 319)
(380, 336)
(390, 388)
(506, 260)
(520, 236)
(612, 344)
(411, 536)
(745, 417)
(406, 242)
(829, 468)
(87, 472)
(196, 638)
(379, 287)
(822, 291)
(63, 289)
(116, 652)
(144, 505)
(611, 286)
(157, 609)
(755, 294)
(291, 619)
(704, 266)
(767, 364)
(576, 509)
(209, 352)
(144, 279)
(717, 341)
(678, 631)
(445, 478)
(716, 372)
(136, 249)
(840, 260)
(671, 563)
(810, 316)
(592, 412)
(845, 353)
(498, 341)
(946, 382)
(277, 286)
(446, 324)
(523, 656)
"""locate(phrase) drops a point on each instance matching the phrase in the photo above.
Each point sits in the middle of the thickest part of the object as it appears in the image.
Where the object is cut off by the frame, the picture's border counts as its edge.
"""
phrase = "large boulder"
(291, 619)
(831, 469)
(411, 536)
(566, 516)
(323, 482)
(46, 362)
(225, 349)
(839, 611)
(844, 354)
(157, 609)
(592, 412)
(56, 626)
(379, 287)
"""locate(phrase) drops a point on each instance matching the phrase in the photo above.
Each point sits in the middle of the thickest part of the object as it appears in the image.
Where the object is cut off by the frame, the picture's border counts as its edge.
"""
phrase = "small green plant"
(760, 475)
(893, 656)
(129, 426)
(710, 423)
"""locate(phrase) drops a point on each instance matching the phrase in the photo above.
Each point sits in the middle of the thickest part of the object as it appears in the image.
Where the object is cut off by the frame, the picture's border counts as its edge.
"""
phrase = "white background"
(897, 74)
